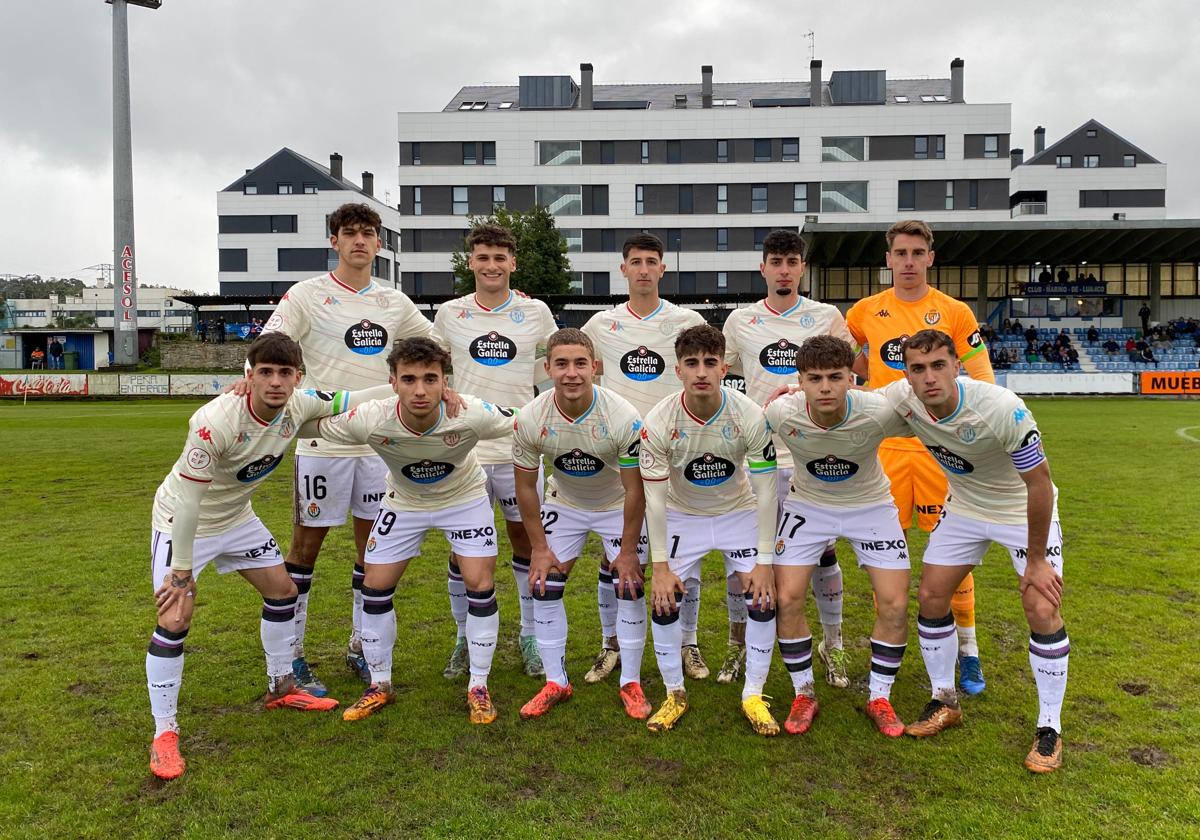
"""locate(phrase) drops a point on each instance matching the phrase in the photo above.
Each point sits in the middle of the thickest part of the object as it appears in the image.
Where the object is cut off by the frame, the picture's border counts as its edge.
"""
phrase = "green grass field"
(76, 613)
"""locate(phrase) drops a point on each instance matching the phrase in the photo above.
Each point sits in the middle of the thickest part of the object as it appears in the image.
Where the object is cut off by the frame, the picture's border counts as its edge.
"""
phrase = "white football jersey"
(231, 449)
(761, 344)
(587, 453)
(496, 354)
(702, 459)
(837, 466)
(639, 353)
(346, 336)
(979, 447)
(427, 470)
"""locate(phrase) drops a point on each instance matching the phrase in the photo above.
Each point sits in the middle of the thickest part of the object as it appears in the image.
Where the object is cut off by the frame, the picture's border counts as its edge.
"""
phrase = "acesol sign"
(1173, 382)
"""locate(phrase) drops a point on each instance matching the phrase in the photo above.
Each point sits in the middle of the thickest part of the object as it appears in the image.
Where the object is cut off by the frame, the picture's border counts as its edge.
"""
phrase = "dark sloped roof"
(289, 161)
(1049, 153)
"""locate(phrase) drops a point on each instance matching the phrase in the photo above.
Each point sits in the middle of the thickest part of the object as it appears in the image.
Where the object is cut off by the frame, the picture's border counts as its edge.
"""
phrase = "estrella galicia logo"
(426, 472)
(734, 383)
(708, 470)
(642, 364)
(257, 469)
(366, 338)
(891, 353)
(493, 349)
(831, 468)
(779, 358)
(953, 462)
(578, 463)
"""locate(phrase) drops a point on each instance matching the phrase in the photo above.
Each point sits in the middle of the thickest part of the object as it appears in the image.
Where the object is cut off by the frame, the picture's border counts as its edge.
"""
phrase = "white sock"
(606, 599)
(520, 569)
(631, 636)
(302, 576)
(667, 631)
(760, 644)
(967, 644)
(458, 596)
(939, 648)
(1048, 659)
(277, 630)
(689, 612)
(797, 658)
(164, 675)
(885, 663)
(379, 632)
(483, 626)
(356, 581)
(827, 592)
(550, 626)
(735, 603)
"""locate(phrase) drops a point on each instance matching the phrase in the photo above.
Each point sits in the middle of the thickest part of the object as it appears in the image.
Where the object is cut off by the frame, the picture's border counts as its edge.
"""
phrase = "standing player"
(202, 515)
(633, 343)
(761, 342)
(591, 437)
(495, 337)
(988, 445)
(345, 322)
(433, 481)
(881, 324)
(699, 500)
(838, 490)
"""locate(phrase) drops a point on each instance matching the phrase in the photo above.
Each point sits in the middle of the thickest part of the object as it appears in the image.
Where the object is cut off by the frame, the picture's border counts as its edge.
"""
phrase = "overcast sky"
(220, 85)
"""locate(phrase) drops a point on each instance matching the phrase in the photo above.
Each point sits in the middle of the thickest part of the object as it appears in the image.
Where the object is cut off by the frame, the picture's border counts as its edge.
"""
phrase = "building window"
(844, 197)
(468, 154)
(799, 198)
(843, 148)
(722, 281)
(972, 195)
(1063, 161)
(472, 106)
(722, 239)
(608, 152)
(561, 199)
(926, 97)
(901, 98)
(574, 238)
(231, 259)
(791, 149)
(310, 188)
(283, 224)
(416, 154)
(674, 239)
(1091, 132)
(489, 153)
(608, 240)
(250, 189)
(921, 147)
(1091, 161)
(304, 259)
(600, 200)
(639, 200)
(760, 236)
(498, 199)
(1129, 161)
(560, 152)
(762, 151)
(725, 103)
(674, 151)
(459, 201)
(991, 145)
(645, 151)
(722, 151)
(722, 198)
(758, 198)
(416, 201)
(949, 195)
(908, 196)
(504, 106)
(283, 189)
(685, 198)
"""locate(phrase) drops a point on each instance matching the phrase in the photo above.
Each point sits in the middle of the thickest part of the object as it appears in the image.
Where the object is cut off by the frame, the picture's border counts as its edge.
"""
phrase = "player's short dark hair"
(911, 227)
(701, 340)
(418, 351)
(824, 352)
(783, 242)
(275, 348)
(570, 336)
(643, 242)
(929, 340)
(354, 215)
(487, 233)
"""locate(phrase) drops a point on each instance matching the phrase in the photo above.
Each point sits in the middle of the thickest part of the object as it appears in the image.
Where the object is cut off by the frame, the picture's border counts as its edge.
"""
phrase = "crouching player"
(434, 481)
(838, 489)
(698, 499)
(989, 446)
(591, 437)
(202, 515)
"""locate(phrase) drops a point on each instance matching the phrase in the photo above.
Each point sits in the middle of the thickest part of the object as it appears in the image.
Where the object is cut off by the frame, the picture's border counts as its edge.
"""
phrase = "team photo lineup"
(852, 427)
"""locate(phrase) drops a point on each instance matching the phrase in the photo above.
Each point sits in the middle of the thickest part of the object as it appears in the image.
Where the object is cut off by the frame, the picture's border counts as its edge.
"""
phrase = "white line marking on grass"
(1185, 433)
(25, 418)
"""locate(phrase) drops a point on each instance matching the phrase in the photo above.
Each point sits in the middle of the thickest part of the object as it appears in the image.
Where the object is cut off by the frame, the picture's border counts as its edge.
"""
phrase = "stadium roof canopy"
(1017, 242)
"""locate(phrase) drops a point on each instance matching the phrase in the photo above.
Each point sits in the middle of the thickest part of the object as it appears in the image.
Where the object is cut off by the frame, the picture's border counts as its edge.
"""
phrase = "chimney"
(585, 87)
(335, 166)
(815, 96)
(1016, 157)
(956, 80)
(706, 86)
(368, 182)
(1039, 140)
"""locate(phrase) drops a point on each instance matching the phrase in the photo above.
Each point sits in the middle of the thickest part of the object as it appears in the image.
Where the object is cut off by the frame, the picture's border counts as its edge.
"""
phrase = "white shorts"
(690, 537)
(502, 488)
(396, 535)
(567, 529)
(959, 540)
(248, 546)
(805, 530)
(329, 488)
(784, 483)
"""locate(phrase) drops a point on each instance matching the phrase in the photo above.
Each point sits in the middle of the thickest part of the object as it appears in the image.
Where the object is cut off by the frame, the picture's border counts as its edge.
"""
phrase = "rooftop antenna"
(812, 44)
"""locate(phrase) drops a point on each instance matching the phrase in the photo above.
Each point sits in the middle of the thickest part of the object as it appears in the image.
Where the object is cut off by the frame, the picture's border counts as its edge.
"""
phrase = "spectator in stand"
(37, 358)
(1144, 314)
(1130, 346)
(1006, 326)
(221, 330)
(1048, 352)
(1062, 340)
(255, 328)
(1044, 276)
(1091, 278)
(1093, 334)
(1112, 348)
(202, 331)
(55, 352)
(1060, 357)
(1147, 355)
(1031, 333)
(1016, 328)
(1031, 353)
(1161, 340)
(1072, 357)
(1064, 276)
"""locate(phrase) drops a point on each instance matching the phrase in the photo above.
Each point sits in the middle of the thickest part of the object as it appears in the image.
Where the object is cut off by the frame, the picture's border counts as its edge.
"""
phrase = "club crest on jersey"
(779, 357)
(451, 438)
(708, 470)
(427, 472)
(493, 349)
(966, 433)
(578, 463)
(892, 352)
(257, 469)
(807, 322)
(932, 317)
(517, 316)
(831, 468)
(381, 300)
(642, 364)
(780, 547)
(366, 338)
(371, 544)
(953, 462)
(287, 427)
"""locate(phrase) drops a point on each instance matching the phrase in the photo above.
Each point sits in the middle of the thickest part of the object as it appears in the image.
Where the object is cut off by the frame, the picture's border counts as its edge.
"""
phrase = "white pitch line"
(1183, 433)
(142, 412)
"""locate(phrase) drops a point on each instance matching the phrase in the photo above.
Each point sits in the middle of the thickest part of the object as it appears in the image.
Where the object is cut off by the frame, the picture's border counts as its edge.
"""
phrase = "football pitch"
(76, 613)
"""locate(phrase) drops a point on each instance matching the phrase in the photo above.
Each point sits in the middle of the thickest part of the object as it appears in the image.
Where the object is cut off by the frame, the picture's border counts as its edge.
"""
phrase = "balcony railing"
(1029, 208)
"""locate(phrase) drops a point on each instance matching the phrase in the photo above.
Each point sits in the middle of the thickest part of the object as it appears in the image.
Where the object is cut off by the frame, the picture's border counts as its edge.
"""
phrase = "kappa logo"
(473, 533)
(331, 301)
(243, 437)
(1018, 415)
(204, 434)
(616, 327)
(463, 315)
(883, 313)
